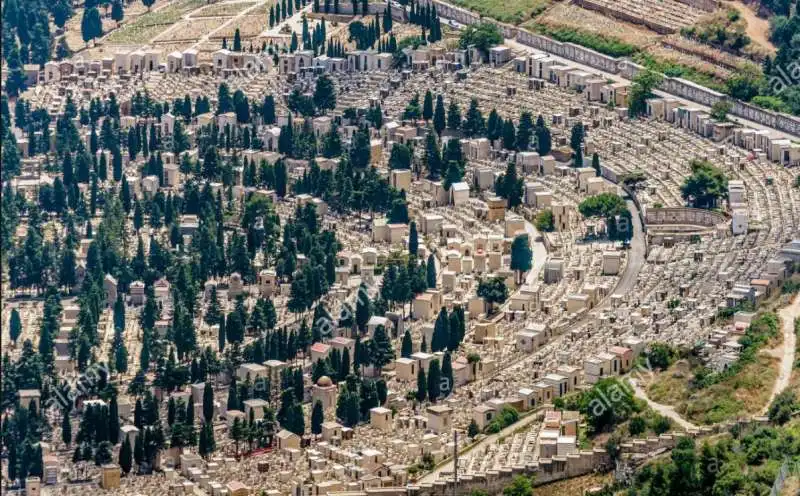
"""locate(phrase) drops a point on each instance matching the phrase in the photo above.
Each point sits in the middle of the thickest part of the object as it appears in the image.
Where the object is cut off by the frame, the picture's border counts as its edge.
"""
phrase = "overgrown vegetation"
(705, 186)
(743, 463)
(724, 30)
(597, 42)
(705, 396)
(507, 416)
(763, 328)
(512, 12)
(612, 208)
(544, 221)
(608, 403)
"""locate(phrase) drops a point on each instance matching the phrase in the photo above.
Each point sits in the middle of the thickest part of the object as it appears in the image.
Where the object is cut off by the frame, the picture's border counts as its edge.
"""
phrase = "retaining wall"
(544, 471)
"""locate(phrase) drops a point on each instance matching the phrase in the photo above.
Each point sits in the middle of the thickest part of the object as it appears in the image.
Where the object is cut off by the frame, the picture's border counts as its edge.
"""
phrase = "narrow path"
(539, 258)
(206, 37)
(487, 441)
(757, 28)
(787, 314)
(665, 410)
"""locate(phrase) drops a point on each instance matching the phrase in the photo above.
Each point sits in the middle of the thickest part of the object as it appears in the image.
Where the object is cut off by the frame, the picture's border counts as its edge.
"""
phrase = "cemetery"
(381, 259)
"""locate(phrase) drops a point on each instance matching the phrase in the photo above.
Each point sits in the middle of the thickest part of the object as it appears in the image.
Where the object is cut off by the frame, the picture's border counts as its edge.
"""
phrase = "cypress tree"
(233, 399)
(434, 381)
(422, 385)
(208, 402)
(448, 383)
(407, 347)
(441, 332)
(138, 449)
(113, 420)
(413, 238)
(126, 456)
(317, 418)
(221, 333)
(427, 106)
(66, 429)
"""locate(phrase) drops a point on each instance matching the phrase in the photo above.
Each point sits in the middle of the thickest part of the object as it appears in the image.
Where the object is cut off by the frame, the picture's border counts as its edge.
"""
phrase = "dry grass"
(791, 487)
(222, 9)
(571, 16)
(149, 25)
(190, 30)
(757, 27)
(249, 27)
(744, 394)
(688, 60)
(574, 486)
(510, 11)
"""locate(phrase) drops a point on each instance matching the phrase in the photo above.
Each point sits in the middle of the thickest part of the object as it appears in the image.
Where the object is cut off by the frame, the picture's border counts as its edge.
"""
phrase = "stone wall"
(675, 86)
(707, 5)
(684, 215)
(544, 471)
(620, 13)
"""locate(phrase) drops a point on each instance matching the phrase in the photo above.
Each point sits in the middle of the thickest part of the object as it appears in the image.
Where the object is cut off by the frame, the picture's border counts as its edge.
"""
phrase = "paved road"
(788, 315)
(637, 253)
(539, 253)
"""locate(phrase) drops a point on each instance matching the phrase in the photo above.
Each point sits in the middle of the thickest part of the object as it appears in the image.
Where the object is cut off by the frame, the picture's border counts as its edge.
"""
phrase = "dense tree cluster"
(613, 209)
(27, 38)
(705, 186)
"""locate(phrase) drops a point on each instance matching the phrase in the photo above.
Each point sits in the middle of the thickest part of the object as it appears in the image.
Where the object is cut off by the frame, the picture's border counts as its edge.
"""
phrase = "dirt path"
(787, 349)
(207, 36)
(665, 410)
(757, 28)
(487, 441)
